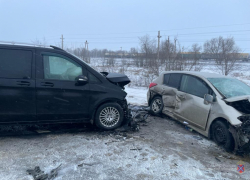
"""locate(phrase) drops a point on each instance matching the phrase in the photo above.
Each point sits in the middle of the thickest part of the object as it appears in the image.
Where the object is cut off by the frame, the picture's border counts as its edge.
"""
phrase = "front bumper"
(241, 133)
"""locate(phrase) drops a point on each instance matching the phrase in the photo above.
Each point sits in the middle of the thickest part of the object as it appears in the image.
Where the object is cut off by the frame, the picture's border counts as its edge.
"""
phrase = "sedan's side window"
(174, 80)
(194, 86)
(59, 68)
(166, 79)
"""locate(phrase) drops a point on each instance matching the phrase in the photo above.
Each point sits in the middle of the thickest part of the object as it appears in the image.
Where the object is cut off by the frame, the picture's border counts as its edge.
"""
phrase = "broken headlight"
(245, 126)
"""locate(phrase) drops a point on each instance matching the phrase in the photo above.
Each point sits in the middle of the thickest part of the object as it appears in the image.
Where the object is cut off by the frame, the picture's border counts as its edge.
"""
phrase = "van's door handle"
(23, 83)
(47, 84)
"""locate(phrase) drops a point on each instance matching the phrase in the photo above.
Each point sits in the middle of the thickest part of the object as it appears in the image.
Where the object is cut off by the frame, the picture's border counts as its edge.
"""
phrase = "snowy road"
(162, 149)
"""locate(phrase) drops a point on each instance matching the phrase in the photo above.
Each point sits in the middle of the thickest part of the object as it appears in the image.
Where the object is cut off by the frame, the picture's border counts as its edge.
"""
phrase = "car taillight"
(152, 85)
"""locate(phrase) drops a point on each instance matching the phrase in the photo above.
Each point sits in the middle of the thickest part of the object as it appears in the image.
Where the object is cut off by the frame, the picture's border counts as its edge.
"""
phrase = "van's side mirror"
(81, 79)
(208, 99)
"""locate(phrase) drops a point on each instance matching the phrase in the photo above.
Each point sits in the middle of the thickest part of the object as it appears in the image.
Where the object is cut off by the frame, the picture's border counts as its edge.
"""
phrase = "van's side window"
(60, 68)
(15, 64)
(174, 80)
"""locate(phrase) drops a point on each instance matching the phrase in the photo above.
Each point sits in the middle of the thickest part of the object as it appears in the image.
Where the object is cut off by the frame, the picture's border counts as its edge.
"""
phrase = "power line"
(101, 42)
(165, 30)
(132, 37)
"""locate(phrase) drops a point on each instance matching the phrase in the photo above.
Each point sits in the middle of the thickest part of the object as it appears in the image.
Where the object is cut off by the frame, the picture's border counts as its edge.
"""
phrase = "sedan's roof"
(199, 74)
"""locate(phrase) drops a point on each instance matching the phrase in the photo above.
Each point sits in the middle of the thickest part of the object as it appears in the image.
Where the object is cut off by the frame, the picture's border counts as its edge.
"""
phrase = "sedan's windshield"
(230, 87)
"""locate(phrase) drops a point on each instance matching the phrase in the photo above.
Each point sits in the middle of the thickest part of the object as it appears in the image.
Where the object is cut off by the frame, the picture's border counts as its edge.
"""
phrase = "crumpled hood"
(238, 98)
(240, 103)
(117, 78)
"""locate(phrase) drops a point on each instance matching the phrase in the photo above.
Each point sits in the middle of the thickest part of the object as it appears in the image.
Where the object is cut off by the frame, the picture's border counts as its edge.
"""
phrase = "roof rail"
(57, 48)
(21, 43)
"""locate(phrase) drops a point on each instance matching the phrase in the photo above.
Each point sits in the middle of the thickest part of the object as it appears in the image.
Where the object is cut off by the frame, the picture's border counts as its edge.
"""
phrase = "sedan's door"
(190, 105)
(59, 97)
(17, 85)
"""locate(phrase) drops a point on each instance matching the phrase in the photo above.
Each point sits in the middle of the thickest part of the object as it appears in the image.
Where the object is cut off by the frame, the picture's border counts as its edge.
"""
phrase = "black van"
(50, 85)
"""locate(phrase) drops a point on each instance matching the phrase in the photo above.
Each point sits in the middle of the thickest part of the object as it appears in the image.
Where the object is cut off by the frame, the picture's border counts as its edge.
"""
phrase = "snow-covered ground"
(162, 149)
(137, 95)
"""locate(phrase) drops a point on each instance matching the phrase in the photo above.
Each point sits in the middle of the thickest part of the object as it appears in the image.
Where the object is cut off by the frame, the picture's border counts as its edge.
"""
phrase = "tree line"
(171, 55)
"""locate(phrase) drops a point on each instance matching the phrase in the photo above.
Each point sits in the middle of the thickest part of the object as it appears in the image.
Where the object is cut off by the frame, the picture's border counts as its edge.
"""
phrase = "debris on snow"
(197, 137)
(38, 174)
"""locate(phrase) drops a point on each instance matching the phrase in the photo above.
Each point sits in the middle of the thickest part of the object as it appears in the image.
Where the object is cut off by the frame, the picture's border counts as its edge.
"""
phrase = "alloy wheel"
(109, 116)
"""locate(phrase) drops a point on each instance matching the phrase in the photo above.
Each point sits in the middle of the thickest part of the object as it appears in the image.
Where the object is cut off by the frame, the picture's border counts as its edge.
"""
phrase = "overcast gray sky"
(113, 24)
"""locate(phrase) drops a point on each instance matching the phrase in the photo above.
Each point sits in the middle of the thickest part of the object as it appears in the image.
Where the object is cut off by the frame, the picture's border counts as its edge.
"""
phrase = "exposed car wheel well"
(217, 119)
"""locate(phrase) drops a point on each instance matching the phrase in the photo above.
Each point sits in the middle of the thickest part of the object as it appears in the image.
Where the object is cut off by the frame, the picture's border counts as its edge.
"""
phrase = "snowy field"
(140, 78)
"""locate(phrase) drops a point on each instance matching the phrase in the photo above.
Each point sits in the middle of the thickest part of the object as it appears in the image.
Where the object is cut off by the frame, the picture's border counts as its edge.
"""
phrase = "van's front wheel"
(109, 116)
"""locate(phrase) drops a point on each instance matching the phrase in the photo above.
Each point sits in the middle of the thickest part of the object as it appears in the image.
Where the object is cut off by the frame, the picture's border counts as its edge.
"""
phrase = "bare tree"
(111, 61)
(194, 62)
(42, 43)
(169, 54)
(224, 51)
(148, 49)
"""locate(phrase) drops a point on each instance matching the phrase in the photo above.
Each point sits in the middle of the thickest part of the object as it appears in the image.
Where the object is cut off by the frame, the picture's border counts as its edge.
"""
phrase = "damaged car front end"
(241, 132)
(216, 106)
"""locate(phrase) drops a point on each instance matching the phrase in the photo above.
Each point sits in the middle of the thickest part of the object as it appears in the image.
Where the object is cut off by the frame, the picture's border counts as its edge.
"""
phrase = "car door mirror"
(208, 99)
(81, 79)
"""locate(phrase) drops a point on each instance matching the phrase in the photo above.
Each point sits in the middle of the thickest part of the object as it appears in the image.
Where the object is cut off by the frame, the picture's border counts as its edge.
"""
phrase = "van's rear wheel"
(109, 116)
(222, 136)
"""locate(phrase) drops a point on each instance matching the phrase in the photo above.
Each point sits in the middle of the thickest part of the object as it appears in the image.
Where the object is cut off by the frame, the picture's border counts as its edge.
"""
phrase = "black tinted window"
(166, 79)
(194, 86)
(174, 80)
(15, 63)
(93, 79)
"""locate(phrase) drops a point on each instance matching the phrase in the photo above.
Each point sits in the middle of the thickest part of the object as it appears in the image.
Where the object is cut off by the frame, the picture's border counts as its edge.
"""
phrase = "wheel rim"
(220, 135)
(156, 106)
(109, 116)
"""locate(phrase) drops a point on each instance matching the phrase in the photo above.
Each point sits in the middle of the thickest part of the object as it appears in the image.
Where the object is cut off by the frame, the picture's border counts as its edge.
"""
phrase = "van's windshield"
(230, 87)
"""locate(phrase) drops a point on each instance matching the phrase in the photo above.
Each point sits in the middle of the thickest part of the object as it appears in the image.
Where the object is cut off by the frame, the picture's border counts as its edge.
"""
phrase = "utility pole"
(86, 45)
(62, 40)
(87, 48)
(175, 45)
(121, 52)
(158, 51)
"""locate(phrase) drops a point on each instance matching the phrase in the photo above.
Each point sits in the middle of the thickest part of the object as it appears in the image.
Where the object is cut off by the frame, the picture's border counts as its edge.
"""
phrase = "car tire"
(109, 116)
(156, 106)
(222, 136)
